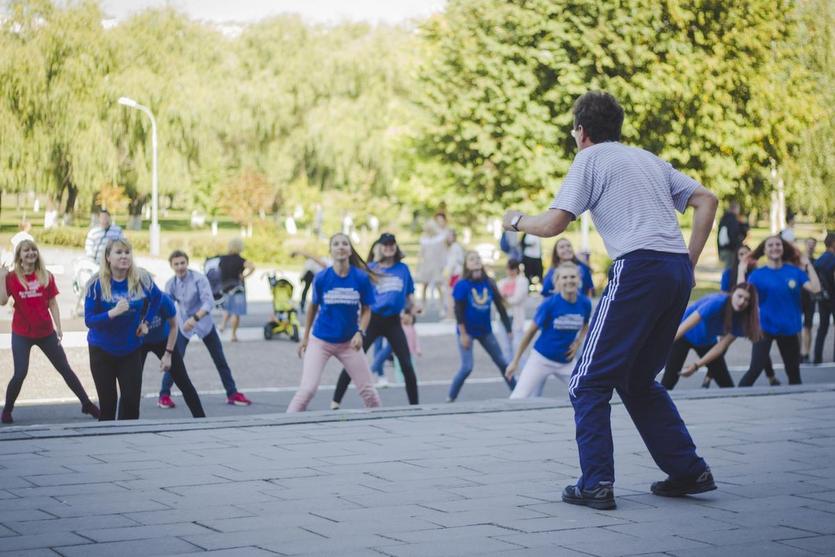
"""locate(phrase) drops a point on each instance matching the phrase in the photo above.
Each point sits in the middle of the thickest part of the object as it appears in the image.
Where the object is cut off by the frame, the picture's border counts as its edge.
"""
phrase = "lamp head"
(127, 101)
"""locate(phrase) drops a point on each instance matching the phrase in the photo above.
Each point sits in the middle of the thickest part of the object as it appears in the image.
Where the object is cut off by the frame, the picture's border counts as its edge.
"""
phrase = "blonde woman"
(233, 272)
(563, 319)
(36, 322)
(121, 299)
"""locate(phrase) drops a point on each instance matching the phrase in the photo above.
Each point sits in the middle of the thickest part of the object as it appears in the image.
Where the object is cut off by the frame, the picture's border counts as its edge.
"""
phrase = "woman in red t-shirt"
(33, 289)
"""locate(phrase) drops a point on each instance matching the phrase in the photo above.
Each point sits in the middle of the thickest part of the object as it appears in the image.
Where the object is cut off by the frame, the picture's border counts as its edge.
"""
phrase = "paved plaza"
(475, 478)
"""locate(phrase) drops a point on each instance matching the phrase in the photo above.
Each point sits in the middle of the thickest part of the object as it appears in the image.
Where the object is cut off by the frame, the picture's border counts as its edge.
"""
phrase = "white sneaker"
(382, 383)
(334, 405)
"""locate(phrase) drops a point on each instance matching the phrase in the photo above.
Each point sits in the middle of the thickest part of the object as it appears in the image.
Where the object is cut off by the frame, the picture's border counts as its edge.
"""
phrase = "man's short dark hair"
(830, 239)
(177, 253)
(600, 115)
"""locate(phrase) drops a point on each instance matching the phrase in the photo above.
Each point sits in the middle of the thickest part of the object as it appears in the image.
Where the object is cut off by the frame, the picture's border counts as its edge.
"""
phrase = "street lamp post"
(155, 232)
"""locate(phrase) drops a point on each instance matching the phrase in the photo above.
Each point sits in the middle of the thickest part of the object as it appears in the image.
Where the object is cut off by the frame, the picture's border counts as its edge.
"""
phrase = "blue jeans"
(382, 352)
(213, 344)
(491, 345)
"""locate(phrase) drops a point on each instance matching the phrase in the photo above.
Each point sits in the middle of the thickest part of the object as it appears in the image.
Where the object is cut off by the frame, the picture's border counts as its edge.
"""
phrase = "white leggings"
(316, 356)
(536, 371)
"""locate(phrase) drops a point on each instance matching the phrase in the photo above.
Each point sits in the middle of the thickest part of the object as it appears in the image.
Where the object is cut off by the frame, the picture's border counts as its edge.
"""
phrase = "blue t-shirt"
(586, 281)
(394, 284)
(779, 292)
(559, 322)
(158, 327)
(118, 335)
(711, 310)
(477, 297)
(339, 300)
(725, 283)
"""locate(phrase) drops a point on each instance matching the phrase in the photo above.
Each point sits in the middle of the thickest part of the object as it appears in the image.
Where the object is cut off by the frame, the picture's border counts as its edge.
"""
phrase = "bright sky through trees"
(319, 11)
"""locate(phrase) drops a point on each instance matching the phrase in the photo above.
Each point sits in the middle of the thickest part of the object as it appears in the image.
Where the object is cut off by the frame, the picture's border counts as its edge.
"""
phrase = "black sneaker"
(680, 488)
(602, 497)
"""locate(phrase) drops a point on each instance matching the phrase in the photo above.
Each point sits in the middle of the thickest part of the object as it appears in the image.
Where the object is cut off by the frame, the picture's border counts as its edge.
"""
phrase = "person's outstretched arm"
(704, 203)
(545, 225)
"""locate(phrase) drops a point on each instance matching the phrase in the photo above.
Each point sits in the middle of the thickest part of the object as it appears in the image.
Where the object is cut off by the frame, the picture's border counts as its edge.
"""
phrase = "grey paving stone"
(40, 541)
(760, 549)
(451, 548)
(824, 545)
(134, 548)
(278, 534)
(242, 552)
(200, 514)
(29, 553)
(71, 524)
(144, 532)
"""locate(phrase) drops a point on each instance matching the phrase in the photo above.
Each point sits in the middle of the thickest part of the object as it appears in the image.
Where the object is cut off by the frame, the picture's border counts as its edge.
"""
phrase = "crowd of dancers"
(355, 302)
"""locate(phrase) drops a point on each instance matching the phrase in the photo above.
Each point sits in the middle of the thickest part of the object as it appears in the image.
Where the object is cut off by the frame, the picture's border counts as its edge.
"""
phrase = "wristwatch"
(514, 224)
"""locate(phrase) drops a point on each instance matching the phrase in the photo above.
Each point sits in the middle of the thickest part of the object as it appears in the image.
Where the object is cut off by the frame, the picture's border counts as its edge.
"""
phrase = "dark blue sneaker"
(602, 497)
(679, 488)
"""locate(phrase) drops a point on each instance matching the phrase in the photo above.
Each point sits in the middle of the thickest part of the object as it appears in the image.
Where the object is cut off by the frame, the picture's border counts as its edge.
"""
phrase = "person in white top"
(433, 253)
(514, 291)
(532, 258)
(454, 268)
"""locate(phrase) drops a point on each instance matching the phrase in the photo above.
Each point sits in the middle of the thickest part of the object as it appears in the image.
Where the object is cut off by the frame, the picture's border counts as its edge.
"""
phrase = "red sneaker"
(165, 402)
(6, 417)
(238, 399)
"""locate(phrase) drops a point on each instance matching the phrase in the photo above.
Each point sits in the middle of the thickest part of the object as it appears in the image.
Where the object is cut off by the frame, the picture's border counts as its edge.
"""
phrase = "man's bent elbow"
(558, 221)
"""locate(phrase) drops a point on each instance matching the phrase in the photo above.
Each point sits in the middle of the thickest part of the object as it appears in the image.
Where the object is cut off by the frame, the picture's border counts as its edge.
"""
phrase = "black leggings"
(51, 347)
(307, 279)
(825, 312)
(126, 370)
(179, 374)
(716, 370)
(789, 346)
(390, 328)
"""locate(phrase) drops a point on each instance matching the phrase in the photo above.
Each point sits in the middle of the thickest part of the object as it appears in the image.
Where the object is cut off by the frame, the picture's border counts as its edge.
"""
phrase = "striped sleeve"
(682, 187)
(577, 190)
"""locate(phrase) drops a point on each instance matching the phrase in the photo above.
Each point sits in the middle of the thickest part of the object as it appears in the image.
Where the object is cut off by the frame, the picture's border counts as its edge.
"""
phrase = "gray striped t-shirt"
(632, 196)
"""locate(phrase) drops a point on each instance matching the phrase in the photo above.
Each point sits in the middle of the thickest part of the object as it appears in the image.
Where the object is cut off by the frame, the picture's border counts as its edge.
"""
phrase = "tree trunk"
(72, 195)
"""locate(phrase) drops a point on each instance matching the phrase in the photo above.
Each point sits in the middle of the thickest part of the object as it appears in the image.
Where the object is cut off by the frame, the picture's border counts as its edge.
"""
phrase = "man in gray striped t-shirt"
(632, 196)
(99, 236)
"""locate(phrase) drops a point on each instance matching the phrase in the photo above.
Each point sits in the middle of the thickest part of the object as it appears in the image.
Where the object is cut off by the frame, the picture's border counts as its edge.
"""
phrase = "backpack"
(211, 268)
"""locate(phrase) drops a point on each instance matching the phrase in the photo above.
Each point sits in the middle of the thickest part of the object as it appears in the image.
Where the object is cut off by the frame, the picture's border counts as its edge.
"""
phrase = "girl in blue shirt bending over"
(338, 317)
(473, 295)
(720, 316)
(564, 320)
(779, 284)
(121, 299)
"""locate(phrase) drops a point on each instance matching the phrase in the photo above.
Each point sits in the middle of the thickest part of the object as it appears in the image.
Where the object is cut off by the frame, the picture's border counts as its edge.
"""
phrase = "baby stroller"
(285, 317)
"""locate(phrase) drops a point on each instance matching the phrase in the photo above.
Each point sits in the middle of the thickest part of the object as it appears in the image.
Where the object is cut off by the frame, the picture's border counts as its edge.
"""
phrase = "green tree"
(697, 82)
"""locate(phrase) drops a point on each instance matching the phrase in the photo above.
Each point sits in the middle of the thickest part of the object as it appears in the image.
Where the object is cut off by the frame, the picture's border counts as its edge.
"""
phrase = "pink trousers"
(316, 356)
